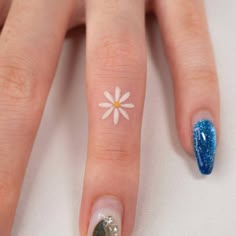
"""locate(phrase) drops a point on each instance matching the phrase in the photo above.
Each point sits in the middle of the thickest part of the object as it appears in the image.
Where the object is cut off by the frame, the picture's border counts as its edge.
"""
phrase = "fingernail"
(106, 217)
(204, 142)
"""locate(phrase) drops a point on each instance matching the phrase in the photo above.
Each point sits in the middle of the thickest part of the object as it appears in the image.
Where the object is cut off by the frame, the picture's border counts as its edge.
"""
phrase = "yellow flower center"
(116, 104)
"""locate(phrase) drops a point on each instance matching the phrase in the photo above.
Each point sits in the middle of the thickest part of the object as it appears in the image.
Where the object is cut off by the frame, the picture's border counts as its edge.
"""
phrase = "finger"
(190, 55)
(29, 48)
(4, 8)
(116, 71)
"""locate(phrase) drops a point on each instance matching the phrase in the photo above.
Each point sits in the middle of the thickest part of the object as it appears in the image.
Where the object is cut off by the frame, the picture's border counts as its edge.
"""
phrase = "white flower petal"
(124, 97)
(105, 104)
(127, 105)
(107, 113)
(108, 96)
(116, 116)
(124, 113)
(117, 94)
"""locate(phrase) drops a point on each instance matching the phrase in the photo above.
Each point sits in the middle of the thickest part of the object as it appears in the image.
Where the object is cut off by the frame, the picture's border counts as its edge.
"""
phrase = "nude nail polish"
(106, 217)
(204, 143)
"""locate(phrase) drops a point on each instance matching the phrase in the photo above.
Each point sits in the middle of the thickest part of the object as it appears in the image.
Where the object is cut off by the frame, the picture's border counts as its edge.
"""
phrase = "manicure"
(106, 217)
(204, 142)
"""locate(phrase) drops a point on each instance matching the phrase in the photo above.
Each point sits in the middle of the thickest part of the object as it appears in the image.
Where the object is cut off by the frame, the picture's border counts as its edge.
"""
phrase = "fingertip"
(106, 217)
(199, 138)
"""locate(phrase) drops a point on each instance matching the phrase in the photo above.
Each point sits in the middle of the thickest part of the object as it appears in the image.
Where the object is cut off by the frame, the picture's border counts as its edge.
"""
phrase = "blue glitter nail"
(204, 142)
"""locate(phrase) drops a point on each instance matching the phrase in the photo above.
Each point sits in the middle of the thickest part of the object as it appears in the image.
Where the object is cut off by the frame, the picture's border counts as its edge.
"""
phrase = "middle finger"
(116, 72)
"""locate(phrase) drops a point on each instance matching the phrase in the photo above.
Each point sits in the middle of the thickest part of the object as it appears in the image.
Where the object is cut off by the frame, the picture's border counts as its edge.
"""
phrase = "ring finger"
(191, 60)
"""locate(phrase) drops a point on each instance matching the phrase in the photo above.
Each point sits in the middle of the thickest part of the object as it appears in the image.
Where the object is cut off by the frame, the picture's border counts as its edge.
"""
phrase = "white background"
(174, 200)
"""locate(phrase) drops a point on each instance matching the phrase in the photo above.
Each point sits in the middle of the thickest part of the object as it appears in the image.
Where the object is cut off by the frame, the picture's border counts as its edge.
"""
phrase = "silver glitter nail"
(109, 225)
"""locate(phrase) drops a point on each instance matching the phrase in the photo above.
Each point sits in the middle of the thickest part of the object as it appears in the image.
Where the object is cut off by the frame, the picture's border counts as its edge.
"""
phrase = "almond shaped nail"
(204, 143)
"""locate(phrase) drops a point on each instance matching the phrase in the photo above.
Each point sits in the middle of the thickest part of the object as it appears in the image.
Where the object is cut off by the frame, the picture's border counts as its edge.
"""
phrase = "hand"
(30, 45)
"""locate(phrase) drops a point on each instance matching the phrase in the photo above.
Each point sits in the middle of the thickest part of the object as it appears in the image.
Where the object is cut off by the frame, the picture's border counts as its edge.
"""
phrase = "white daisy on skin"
(116, 104)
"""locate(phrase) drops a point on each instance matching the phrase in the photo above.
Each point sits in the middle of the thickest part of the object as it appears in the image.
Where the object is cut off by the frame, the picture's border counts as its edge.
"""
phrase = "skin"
(116, 56)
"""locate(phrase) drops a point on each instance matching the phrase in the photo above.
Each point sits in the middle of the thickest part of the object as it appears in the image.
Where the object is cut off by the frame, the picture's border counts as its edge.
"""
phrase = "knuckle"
(204, 75)
(17, 80)
(118, 54)
(191, 20)
(115, 151)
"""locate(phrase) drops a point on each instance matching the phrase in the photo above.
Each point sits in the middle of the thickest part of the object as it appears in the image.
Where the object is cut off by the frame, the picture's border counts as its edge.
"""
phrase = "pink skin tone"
(116, 56)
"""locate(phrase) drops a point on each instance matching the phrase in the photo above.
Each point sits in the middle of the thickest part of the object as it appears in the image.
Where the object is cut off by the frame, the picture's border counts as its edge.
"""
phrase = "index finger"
(30, 44)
